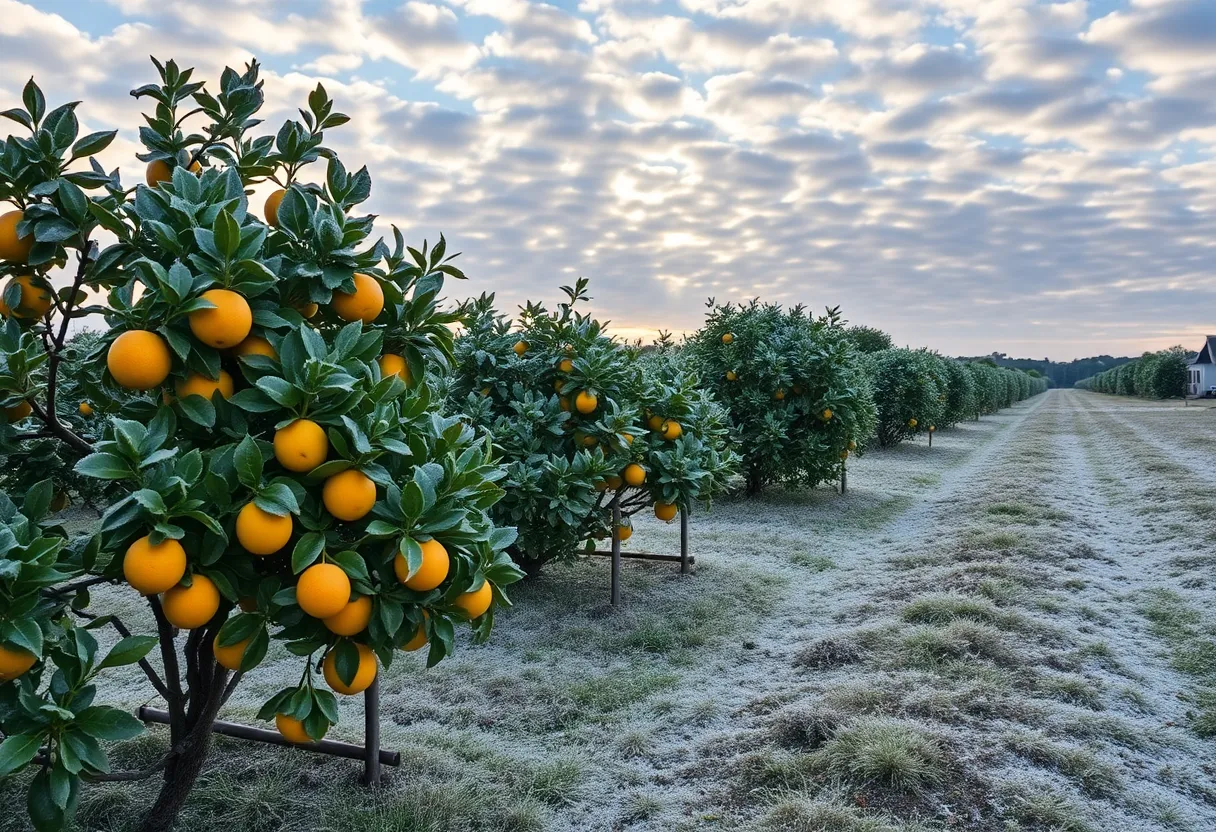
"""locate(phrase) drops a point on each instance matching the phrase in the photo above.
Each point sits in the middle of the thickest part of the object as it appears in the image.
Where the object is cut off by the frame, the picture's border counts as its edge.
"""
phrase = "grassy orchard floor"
(1012, 630)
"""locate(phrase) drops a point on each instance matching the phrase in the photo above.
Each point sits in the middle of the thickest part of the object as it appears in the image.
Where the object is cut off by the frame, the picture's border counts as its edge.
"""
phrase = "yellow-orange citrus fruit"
(139, 360)
(852, 445)
(159, 171)
(932, 428)
(655, 423)
(665, 511)
(154, 569)
(731, 375)
(349, 495)
(271, 209)
(623, 533)
(844, 454)
(230, 656)
(476, 603)
(17, 412)
(565, 365)
(586, 402)
(189, 607)
(392, 364)
(564, 403)
(912, 423)
(323, 590)
(485, 391)
(35, 298)
(672, 430)
(260, 532)
(300, 446)
(197, 384)
(364, 676)
(419, 640)
(255, 345)
(728, 338)
(434, 568)
(363, 304)
(520, 347)
(589, 441)
(14, 661)
(779, 395)
(627, 438)
(634, 474)
(14, 249)
(827, 414)
(614, 482)
(86, 409)
(292, 729)
(227, 324)
(309, 309)
(351, 619)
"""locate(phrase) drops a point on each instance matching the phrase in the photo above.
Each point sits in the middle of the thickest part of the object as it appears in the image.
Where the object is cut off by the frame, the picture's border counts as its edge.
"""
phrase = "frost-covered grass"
(1009, 631)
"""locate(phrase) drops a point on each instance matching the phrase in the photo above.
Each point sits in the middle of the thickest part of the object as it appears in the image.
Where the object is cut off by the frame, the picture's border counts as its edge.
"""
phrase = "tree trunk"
(190, 735)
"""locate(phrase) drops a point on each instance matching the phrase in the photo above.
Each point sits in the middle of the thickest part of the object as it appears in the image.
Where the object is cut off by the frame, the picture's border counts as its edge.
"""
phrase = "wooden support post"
(930, 439)
(844, 478)
(616, 550)
(685, 564)
(247, 732)
(371, 734)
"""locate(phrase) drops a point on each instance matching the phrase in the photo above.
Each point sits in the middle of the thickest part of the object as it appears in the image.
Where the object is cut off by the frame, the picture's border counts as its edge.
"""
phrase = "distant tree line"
(1154, 375)
(1058, 373)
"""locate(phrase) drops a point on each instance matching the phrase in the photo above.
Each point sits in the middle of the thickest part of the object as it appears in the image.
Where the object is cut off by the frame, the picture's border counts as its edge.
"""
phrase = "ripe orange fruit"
(86, 409)
(565, 365)
(932, 428)
(255, 345)
(627, 438)
(364, 676)
(779, 395)
(348, 495)
(588, 441)
(564, 403)
(731, 375)
(485, 391)
(230, 656)
(623, 532)
(852, 445)
(586, 402)
(154, 569)
(188, 607)
(364, 304)
(300, 446)
(912, 423)
(138, 359)
(197, 384)
(672, 430)
(634, 474)
(558, 385)
(14, 661)
(351, 619)
(309, 309)
(827, 414)
(392, 364)
(260, 532)
(728, 338)
(419, 640)
(17, 412)
(323, 590)
(14, 249)
(159, 171)
(614, 482)
(520, 347)
(35, 298)
(477, 602)
(655, 423)
(292, 729)
(665, 511)
(271, 210)
(844, 455)
(227, 324)
(434, 568)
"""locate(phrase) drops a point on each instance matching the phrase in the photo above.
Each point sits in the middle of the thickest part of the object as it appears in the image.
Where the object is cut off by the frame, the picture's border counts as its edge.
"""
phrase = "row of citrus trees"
(291, 446)
(1155, 375)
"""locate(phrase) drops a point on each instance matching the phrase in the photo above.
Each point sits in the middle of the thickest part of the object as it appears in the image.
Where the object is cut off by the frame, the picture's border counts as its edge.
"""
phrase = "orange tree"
(280, 472)
(794, 387)
(909, 391)
(578, 418)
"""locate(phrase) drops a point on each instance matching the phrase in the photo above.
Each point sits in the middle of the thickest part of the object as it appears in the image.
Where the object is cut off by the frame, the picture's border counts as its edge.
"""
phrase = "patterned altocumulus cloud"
(1034, 177)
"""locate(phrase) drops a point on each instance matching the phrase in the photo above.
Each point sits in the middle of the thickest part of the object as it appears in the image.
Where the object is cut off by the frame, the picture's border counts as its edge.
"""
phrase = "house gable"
(1207, 353)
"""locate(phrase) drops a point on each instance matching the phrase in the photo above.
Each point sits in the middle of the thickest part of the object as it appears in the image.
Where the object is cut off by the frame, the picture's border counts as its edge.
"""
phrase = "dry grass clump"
(806, 727)
(892, 753)
(802, 815)
(1079, 764)
(932, 648)
(834, 651)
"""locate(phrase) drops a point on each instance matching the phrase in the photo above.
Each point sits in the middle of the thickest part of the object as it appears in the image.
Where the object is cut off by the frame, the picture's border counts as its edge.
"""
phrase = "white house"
(1201, 374)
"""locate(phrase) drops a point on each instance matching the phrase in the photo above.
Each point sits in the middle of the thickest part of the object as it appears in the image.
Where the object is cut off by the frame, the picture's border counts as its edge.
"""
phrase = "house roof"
(1207, 353)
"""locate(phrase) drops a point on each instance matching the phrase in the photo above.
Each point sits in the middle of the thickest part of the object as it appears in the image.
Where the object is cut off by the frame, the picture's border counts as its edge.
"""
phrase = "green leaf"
(308, 549)
(346, 661)
(104, 466)
(277, 499)
(18, 750)
(128, 651)
(227, 234)
(34, 100)
(93, 143)
(198, 410)
(247, 459)
(111, 724)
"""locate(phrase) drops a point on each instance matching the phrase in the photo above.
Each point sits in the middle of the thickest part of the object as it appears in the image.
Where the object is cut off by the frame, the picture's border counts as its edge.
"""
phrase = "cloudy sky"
(1031, 177)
